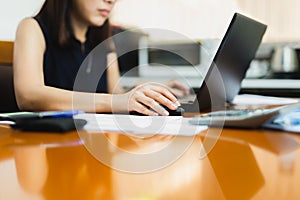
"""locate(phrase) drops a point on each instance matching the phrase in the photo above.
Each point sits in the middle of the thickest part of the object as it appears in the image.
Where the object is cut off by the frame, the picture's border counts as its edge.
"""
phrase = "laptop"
(223, 80)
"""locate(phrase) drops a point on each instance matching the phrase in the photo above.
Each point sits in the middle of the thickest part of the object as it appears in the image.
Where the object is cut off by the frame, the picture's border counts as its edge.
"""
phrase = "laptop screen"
(232, 59)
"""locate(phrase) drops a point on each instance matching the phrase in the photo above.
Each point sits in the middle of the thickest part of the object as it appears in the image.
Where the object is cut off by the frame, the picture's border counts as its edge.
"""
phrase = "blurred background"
(202, 22)
(197, 19)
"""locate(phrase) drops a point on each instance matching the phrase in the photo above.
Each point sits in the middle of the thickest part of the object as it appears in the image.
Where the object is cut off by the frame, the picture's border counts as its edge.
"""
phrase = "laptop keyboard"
(187, 99)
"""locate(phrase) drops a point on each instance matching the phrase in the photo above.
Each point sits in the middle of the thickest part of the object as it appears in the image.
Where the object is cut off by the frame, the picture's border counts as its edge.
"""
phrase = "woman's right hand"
(148, 99)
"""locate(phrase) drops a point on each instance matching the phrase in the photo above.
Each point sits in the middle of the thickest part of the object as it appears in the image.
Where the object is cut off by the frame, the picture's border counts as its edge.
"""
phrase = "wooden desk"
(244, 164)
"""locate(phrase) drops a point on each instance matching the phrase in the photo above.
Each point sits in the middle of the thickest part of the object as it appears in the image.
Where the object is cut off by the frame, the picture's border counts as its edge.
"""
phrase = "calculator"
(236, 118)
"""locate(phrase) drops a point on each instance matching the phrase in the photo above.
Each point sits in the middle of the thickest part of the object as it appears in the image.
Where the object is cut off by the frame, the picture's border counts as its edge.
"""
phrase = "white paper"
(7, 122)
(250, 99)
(166, 125)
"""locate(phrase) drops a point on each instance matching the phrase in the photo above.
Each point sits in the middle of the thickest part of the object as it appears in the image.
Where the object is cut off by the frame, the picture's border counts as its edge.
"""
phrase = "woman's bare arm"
(32, 94)
(113, 74)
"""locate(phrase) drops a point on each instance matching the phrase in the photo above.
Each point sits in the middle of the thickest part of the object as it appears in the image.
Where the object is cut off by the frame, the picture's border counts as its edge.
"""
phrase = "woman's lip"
(104, 12)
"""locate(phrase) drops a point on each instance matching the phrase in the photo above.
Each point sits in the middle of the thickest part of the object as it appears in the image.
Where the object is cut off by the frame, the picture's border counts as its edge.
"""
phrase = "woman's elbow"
(25, 101)
(30, 99)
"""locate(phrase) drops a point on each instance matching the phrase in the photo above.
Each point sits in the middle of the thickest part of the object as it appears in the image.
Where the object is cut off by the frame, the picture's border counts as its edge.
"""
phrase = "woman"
(49, 49)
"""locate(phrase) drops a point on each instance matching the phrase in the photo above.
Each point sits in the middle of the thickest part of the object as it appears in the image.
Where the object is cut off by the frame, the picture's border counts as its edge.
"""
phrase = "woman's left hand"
(178, 88)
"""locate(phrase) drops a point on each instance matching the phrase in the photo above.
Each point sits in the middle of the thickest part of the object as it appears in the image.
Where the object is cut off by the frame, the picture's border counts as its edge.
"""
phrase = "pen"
(38, 115)
(58, 114)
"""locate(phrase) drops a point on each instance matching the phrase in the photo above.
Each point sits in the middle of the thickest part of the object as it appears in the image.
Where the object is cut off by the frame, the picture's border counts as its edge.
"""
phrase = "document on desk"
(165, 125)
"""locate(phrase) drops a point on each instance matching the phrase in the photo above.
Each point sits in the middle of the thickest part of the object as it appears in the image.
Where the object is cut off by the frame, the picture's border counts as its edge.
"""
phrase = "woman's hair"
(56, 14)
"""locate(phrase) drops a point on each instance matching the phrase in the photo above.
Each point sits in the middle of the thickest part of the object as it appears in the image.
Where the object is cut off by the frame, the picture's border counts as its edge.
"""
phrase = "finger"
(144, 110)
(153, 105)
(165, 96)
(161, 99)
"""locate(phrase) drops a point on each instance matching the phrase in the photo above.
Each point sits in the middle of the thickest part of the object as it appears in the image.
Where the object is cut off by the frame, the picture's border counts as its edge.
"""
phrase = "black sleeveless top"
(61, 65)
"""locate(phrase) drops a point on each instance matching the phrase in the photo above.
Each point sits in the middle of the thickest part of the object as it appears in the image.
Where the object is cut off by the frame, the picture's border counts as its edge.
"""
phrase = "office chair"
(8, 101)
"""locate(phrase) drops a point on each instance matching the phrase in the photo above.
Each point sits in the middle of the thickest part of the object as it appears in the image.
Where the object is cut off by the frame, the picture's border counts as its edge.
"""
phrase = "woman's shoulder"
(29, 21)
(29, 28)
(29, 24)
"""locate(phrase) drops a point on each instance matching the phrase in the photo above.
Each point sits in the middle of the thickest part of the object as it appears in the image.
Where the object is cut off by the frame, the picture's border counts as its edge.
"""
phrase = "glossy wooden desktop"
(243, 164)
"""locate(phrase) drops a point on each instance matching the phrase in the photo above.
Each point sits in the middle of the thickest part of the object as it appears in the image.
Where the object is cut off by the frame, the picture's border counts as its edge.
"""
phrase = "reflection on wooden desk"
(243, 164)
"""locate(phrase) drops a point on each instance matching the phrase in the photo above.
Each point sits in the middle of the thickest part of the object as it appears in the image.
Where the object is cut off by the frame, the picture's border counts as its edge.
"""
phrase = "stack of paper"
(168, 125)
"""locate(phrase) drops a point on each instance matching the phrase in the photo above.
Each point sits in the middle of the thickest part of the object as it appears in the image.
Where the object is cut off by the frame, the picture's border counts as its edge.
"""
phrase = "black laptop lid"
(237, 49)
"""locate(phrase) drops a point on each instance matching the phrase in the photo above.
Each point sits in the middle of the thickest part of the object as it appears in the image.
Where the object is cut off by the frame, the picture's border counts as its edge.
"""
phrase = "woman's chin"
(98, 22)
